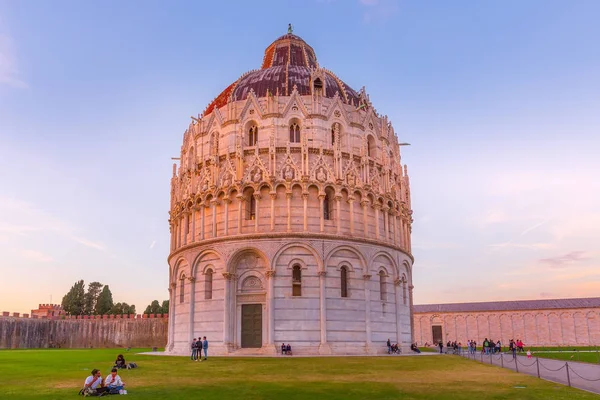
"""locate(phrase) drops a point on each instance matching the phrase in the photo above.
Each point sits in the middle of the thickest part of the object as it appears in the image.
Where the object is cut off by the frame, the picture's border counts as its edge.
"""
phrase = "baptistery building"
(290, 217)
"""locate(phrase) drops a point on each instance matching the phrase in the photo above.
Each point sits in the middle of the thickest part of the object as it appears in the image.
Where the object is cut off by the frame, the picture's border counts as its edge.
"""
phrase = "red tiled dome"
(288, 61)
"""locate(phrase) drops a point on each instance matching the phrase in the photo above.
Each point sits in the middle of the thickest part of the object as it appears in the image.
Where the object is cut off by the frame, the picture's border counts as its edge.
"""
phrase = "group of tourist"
(286, 349)
(197, 346)
(392, 347)
(113, 384)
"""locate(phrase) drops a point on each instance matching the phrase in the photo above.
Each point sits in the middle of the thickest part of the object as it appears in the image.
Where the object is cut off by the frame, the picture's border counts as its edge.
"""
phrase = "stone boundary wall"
(555, 327)
(22, 332)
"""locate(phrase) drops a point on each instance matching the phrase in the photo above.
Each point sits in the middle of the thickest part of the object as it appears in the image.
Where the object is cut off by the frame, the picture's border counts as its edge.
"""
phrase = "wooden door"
(251, 325)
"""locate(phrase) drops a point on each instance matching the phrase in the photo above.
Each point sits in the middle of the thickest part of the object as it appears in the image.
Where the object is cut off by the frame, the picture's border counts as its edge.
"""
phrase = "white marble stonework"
(291, 195)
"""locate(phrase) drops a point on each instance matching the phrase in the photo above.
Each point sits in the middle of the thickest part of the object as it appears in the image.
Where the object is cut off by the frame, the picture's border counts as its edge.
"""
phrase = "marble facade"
(291, 195)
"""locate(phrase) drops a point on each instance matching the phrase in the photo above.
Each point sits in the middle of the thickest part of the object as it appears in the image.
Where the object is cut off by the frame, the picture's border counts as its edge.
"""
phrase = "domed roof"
(287, 62)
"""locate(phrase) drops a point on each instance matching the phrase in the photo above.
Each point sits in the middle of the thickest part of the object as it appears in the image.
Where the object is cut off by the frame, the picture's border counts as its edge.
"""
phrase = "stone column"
(213, 202)
(395, 228)
(386, 222)
(227, 276)
(240, 199)
(186, 224)
(338, 213)
(367, 280)
(273, 197)
(288, 196)
(226, 222)
(408, 239)
(377, 207)
(322, 208)
(270, 274)
(364, 204)
(401, 232)
(171, 229)
(324, 346)
(305, 203)
(192, 306)
(398, 295)
(171, 330)
(410, 304)
(193, 236)
(257, 205)
(351, 202)
(202, 214)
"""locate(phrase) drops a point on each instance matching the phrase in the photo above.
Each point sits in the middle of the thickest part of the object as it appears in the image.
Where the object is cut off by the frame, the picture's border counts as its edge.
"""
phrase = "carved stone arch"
(408, 269)
(251, 101)
(251, 282)
(180, 266)
(337, 105)
(382, 253)
(238, 253)
(262, 185)
(315, 254)
(297, 261)
(348, 265)
(207, 267)
(361, 258)
(200, 258)
(301, 110)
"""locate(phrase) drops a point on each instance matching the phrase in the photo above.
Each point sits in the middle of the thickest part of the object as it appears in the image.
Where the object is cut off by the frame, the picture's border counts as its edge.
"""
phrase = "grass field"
(59, 374)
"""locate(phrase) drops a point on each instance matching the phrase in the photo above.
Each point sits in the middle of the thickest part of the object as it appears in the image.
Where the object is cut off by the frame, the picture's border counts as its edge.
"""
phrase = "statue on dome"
(290, 29)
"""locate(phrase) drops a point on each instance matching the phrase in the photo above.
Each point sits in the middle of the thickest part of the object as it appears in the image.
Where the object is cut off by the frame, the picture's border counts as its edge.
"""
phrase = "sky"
(498, 99)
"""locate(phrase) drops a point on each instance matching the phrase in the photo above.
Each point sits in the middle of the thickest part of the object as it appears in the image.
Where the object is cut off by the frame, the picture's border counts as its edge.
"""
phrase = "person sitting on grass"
(113, 382)
(120, 362)
(93, 384)
(288, 350)
(414, 348)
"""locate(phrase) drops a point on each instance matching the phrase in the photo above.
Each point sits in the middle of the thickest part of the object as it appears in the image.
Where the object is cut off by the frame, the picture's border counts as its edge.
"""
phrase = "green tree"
(105, 302)
(129, 310)
(165, 307)
(91, 297)
(153, 308)
(74, 301)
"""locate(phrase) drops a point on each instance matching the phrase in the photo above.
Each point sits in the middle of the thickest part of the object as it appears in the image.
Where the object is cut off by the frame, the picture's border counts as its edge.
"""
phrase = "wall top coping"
(6, 314)
(517, 305)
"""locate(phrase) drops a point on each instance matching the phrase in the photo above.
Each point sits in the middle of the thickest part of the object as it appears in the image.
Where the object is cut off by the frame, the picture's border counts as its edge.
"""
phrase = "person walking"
(389, 346)
(205, 348)
(194, 350)
(441, 344)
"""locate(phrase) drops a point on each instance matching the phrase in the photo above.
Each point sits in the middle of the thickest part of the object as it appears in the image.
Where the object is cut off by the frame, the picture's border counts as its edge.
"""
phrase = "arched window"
(181, 289)
(215, 143)
(191, 160)
(294, 133)
(370, 146)
(251, 207)
(333, 134)
(382, 285)
(208, 284)
(318, 85)
(327, 207)
(253, 135)
(344, 281)
(296, 281)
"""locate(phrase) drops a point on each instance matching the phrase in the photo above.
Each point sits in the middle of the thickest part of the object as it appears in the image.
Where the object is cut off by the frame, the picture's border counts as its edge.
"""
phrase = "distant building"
(536, 322)
(48, 310)
(290, 217)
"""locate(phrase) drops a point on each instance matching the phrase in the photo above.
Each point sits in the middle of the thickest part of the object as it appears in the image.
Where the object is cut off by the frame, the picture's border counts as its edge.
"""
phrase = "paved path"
(584, 376)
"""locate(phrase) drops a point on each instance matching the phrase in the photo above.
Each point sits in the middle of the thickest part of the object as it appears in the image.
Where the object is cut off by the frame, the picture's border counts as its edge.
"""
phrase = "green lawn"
(59, 374)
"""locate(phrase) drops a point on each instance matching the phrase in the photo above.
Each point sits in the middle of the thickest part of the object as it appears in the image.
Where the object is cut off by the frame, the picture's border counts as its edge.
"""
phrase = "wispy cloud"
(36, 256)
(564, 260)
(152, 244)
(522, 245)
(9, 71)
(379, 10)
(37, 220)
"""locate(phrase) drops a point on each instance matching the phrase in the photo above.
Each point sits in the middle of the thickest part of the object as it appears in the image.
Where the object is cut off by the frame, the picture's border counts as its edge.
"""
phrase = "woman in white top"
(113, 381)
